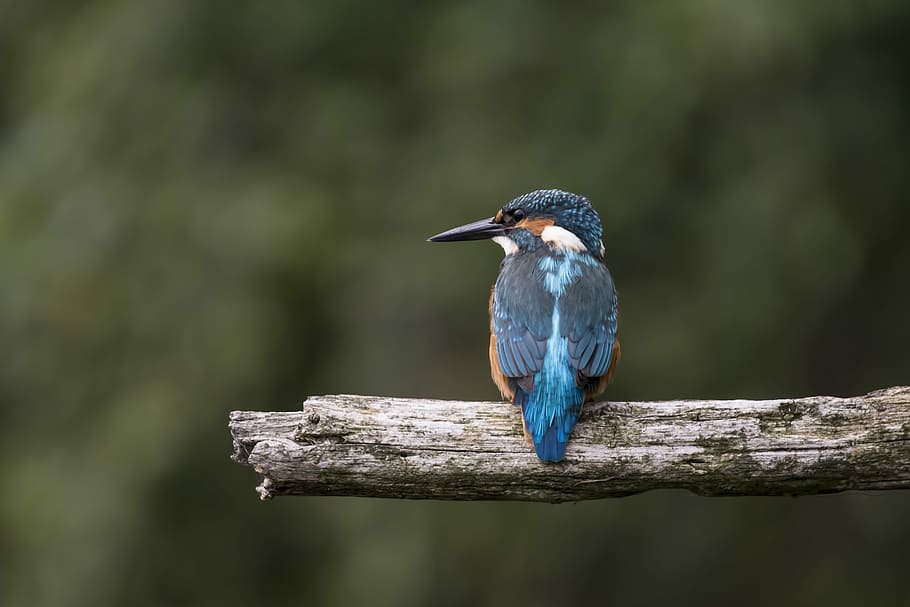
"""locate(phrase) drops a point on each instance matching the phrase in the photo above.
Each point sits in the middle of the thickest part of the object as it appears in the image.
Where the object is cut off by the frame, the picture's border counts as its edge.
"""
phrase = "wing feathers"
(521, 311)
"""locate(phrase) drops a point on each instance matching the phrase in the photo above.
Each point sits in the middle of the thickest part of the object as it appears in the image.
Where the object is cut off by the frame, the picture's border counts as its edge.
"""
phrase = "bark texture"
(454, 450)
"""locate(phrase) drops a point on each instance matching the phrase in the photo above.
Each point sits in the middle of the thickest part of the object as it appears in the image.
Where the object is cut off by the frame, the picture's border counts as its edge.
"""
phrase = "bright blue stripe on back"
(552, 408)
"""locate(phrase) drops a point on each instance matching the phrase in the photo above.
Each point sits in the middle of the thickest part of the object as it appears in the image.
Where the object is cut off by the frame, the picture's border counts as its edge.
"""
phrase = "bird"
(553, 311)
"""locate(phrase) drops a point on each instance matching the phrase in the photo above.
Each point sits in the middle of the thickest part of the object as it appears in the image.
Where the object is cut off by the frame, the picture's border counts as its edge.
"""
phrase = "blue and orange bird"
(553, 311)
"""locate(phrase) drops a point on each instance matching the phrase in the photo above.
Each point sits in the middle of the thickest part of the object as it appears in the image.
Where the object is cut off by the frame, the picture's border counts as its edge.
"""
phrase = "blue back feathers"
(552, 408)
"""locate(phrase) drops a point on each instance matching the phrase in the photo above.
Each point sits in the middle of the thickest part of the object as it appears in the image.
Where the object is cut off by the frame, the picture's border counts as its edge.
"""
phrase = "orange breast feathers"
(501, 381)
(607, 377)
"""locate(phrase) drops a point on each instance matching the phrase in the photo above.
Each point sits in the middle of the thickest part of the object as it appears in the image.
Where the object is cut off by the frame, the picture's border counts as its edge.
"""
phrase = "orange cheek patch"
(535, 226)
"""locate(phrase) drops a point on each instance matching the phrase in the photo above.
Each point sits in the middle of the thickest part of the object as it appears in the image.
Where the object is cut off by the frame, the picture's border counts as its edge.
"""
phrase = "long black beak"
(479, 230)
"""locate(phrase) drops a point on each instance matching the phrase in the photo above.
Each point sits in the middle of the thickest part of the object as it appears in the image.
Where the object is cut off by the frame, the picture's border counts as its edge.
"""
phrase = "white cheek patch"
(508, 245)
(562, 238)
(603, 251)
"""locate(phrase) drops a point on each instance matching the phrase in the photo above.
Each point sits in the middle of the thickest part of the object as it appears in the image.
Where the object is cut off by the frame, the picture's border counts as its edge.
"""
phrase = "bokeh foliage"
(207, 206)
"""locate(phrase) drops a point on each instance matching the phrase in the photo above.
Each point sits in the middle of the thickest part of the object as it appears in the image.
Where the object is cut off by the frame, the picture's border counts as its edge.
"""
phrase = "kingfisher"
(553, 311)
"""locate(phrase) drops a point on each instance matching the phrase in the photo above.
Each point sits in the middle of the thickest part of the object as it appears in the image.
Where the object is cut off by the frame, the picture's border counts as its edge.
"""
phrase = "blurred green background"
(209, 206)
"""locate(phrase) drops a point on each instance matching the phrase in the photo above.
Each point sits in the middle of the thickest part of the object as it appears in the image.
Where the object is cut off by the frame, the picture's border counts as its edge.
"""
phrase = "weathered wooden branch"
(414, 448)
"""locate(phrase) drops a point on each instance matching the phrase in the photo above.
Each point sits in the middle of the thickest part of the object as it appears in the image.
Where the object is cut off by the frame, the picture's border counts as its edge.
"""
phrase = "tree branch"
(431, 449)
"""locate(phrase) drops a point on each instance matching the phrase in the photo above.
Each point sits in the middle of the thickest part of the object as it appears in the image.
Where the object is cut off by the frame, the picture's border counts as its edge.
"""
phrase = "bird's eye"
(518, 215)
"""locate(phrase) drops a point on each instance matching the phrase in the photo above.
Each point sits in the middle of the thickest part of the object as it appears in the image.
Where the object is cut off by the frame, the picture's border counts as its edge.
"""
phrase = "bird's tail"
(552, 445)
(549, 418)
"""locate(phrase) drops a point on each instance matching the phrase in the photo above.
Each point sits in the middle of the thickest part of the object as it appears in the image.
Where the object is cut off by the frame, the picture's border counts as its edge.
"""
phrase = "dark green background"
(206, 206)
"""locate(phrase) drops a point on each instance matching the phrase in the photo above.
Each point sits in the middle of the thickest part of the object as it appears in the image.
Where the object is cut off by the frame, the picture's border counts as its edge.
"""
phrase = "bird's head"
(544, 217)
